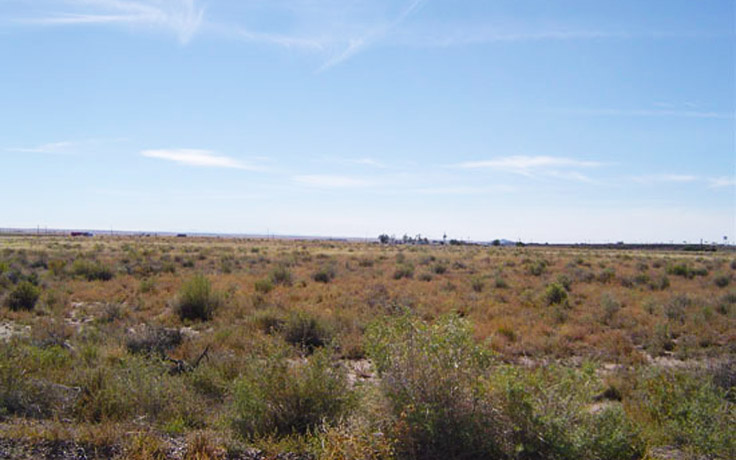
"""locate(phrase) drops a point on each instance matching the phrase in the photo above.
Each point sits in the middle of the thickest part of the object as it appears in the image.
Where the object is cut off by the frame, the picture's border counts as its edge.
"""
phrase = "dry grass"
(528, 305)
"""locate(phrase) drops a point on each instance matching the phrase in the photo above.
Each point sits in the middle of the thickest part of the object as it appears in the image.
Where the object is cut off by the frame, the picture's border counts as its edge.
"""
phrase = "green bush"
(136, 387)
(450, 400)
(548, 414)
(610, 305)
(404, 271)
(555, 294)
(264, 286)
(306, 332)
(23, 297)
(196, 300)
(430, 375)
(281, 275)
(324, 275)
(538, 267)
(685, 271)
(92, 271)
(686, 410)
(18, 393)
(282, 398)
(439, 269)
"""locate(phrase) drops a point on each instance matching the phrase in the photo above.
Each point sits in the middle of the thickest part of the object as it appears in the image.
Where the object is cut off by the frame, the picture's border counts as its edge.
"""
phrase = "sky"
(536, 120)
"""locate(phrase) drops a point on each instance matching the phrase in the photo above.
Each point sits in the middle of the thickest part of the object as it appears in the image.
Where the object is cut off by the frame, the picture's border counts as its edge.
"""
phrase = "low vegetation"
(130, 347)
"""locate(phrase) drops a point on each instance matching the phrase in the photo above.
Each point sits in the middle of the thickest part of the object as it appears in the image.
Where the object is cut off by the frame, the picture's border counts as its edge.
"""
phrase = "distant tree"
(496, 243)
(384, 238)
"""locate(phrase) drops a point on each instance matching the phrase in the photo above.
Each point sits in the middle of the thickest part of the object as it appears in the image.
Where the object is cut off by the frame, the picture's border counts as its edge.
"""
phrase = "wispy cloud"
(717, 182)
(195, 157)
(463, 190)
(660, 178)
(64, 147)
(449, 35)
(528, 165)
(357, 44)
(55, 148)
(662, 112)
(182, 17)
(361, 161)
(332, 181)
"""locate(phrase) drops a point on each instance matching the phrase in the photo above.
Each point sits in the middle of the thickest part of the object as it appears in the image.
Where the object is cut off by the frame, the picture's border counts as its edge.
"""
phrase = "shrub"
(153, 339)
(278, 397)
(430, 375)
(196, 300)
(324, 275)
(23, 297)
(56, 266)
(18, 393)
(477, 284)
(684, 409)
(565, 281)
(404, 271)
(306, 332)
(92, 271)
(439, 269)
(609, 306)
(538, 267)
(264, 286)
(548, 411)
(269, 321)
(281, 275)
(686, 271)
(136, 387)
(555, 294)
(660, 284)
(722, 281)
(675, 308)
(607, 275)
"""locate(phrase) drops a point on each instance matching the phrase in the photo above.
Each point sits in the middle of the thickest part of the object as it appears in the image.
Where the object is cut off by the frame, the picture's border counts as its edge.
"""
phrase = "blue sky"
(548, 121)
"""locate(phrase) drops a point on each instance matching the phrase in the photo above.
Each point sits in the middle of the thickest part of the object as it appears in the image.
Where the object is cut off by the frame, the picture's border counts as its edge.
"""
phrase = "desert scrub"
(306, 331)
(548, 409)
(722, 280)
(538, 267)
(477, 283)
(136, 387)
(23, 297)
(609, 305)
(197, 300)
(281, 275)
(555, 294)
(678, 407)
(430, 375)
(152, 340)
(685, 271)
(264, 286)
(92, 271)
(19, 393)
(278, 396)
(324, 274)
(404, 271)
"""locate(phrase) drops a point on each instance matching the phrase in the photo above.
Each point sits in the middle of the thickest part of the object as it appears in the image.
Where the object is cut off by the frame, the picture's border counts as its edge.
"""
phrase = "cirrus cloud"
(197, 157)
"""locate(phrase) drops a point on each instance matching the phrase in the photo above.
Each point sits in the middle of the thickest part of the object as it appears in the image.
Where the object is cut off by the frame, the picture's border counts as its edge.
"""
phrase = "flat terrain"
(143, 347)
